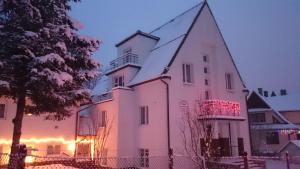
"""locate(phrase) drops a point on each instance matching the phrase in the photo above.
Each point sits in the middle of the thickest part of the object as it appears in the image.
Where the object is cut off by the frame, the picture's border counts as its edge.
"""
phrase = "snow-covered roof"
(289, 102)
(171, 35)
(274, 126)
(102, 86)
(271, 106)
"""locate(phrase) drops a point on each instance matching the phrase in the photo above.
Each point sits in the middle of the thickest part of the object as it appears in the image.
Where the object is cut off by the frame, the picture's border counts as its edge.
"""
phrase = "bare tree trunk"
(17, 121)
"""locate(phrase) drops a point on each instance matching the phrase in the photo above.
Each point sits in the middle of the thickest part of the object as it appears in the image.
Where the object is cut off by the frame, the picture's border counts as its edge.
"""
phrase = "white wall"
(204, 39)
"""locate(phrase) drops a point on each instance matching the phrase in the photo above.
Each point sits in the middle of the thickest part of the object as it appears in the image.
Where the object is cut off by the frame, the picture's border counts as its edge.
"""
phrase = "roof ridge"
(171, 20)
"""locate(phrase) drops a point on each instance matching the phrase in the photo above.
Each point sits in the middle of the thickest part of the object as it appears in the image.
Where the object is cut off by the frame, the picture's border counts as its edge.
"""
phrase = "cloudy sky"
(262, 36)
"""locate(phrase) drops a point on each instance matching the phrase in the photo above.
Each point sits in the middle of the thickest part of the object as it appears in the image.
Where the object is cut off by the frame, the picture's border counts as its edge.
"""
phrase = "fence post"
(287, 160)
(245, 156)
(171, 159)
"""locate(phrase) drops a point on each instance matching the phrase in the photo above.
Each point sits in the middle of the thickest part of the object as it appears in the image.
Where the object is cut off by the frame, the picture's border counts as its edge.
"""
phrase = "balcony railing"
(102, 97)
(128, 58)
(220, 108)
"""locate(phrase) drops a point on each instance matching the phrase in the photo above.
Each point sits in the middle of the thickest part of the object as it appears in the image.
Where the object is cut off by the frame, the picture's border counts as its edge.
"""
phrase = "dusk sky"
(263, 36)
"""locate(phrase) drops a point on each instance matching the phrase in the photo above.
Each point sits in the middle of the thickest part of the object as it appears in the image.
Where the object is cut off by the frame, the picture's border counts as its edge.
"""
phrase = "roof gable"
(255, 101)
(172, 35)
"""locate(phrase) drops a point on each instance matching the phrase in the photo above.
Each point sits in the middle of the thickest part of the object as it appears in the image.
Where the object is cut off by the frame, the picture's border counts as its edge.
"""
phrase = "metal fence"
(159, 162)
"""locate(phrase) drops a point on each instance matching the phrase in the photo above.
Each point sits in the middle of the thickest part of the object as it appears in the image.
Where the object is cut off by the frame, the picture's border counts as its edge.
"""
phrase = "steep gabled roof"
(266, 102)
(171, 36)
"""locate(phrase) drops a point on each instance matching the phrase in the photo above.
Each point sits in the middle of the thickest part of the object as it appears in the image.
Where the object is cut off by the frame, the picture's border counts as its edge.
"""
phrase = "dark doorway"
(241, 146)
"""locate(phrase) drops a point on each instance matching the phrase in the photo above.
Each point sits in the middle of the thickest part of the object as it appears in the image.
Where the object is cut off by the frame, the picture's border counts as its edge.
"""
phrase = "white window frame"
(144, 157)
(229, 81)
(144, 115)
(187, 73)
(118, 81)
(4, 112)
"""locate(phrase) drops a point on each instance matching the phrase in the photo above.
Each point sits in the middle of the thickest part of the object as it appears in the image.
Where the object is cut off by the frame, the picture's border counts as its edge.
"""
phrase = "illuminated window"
(2, 111)
(272, 138)
(83, 149)
(228, 80)
(187, 73)
(144, 155)
(118, 81)
(53, 150)
(144, 111)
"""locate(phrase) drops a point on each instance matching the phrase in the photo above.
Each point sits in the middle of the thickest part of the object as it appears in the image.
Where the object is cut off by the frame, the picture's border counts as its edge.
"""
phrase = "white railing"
(128, 58)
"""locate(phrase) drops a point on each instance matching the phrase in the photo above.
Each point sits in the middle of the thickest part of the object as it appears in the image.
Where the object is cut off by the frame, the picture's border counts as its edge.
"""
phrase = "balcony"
(128, 58)
(220, 109)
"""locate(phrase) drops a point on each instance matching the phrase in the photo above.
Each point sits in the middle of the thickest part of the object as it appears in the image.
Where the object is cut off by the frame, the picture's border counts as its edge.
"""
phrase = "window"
(205, 58)
(2, 111)
(228, 80)
(103, 119)
(144, 155)
(205, 70)
(53, 149)
(118, 81)
(206, 82)
(257, 117)
(144, 115)
(83, 149)
(272, 138)
(187, 73)
(298, 136)
(207, 96)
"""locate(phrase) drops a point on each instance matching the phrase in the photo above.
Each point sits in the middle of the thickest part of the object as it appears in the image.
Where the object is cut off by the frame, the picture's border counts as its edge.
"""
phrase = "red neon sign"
(220, 107)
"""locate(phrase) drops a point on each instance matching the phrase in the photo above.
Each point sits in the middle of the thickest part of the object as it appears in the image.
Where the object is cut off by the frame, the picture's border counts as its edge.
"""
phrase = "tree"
(197, 133)
(43, 59)
(98, 128)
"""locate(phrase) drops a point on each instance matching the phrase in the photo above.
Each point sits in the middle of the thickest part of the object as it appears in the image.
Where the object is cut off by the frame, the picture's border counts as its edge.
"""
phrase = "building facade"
(158, 74)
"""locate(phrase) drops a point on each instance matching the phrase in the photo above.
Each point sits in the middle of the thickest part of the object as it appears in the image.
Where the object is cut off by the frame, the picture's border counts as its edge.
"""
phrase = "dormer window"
(118, 81)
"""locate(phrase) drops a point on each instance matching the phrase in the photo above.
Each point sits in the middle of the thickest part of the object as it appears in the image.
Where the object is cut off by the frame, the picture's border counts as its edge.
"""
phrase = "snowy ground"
(278, 164)
(53, 166)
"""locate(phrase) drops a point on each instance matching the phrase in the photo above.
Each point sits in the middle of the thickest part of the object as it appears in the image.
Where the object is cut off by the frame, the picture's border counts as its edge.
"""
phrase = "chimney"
(260, 91)
(266, 93)
(283, 92)
(273, 94)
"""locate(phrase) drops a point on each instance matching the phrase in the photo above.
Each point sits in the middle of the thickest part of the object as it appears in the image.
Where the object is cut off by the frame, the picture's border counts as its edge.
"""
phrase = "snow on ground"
(53, 166)
(279, 164)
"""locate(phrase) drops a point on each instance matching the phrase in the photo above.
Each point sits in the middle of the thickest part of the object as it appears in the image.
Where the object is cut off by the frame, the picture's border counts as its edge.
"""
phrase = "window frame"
(144, 115)
(187, 73)
(103, 120)
(118, 81)
(229, 81)
(144, 157)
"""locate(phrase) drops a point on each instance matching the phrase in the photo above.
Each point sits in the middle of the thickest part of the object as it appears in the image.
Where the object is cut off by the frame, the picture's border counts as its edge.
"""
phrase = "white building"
(155, 74)
(274, 121)
(42, 137)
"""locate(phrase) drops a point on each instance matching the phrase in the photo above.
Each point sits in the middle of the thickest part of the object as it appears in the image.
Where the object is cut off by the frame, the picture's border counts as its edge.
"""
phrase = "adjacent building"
(274, 120)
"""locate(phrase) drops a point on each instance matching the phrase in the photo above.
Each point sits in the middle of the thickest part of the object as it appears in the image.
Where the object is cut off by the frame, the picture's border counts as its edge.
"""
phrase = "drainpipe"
(246, 92)
(170, 151)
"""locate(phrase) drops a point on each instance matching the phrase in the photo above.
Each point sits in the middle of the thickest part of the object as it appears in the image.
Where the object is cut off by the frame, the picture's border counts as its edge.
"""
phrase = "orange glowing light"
(29, 159)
